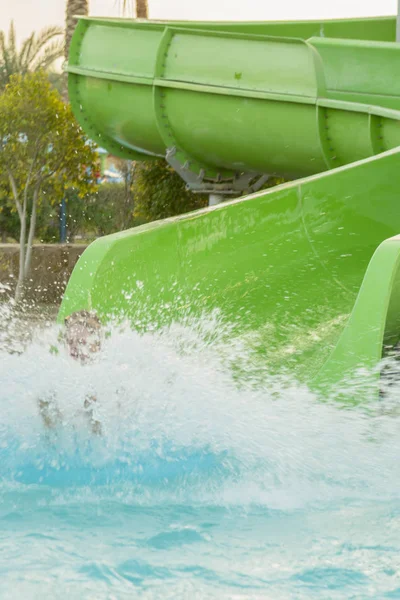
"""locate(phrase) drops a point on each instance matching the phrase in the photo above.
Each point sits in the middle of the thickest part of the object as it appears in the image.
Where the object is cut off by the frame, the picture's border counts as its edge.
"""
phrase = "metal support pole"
(214, 199)
(63, 221)
(398, 22)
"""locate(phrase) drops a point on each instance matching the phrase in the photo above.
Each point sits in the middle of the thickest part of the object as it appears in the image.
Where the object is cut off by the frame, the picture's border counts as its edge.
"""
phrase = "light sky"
(30, 15)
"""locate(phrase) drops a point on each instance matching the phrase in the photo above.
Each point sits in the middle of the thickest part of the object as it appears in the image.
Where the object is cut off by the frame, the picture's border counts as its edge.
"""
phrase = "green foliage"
(111, 210)
(272, 182)
(48, 217)
(39, 138)
(76, 213)
(161, 193)
(124, 208)
(9, 222)
(48, 224)
(40, 146)
(38, 52)
(58, 82)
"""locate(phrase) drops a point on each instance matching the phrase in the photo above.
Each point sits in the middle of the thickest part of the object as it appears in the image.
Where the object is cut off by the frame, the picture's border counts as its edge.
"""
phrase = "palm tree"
(142, 11)
(74, 7)
(38, 52)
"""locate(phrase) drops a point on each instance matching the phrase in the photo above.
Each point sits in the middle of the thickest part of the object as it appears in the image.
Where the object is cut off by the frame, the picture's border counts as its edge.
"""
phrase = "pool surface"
(196, 489)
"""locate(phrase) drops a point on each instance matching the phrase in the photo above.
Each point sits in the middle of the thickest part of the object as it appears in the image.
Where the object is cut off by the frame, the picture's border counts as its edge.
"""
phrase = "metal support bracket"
(198, 183)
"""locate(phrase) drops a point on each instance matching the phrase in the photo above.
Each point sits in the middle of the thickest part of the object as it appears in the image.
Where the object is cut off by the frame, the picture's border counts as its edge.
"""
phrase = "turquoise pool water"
(196, 489)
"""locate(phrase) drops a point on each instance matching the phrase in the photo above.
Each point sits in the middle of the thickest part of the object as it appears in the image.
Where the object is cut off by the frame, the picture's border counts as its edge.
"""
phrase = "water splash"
(271, 492)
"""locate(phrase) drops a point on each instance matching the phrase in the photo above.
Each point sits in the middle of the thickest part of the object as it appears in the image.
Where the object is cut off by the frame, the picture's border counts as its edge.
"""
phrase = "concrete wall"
(51, 267)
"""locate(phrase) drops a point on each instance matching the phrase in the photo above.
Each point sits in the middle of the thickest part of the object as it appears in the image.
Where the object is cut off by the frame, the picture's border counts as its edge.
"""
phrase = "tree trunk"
(25, 247)
(142, 11)
(74, 7)
(21, 209)
(31, 236)
(21, 274)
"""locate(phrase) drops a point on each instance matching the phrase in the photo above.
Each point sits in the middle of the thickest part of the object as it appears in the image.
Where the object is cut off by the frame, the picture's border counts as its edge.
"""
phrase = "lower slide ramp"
(306, 273)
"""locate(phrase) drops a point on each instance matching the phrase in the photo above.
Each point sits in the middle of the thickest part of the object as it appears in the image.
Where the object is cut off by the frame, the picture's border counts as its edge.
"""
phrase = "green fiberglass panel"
(246, 133)
(137, 127)
(348, 147)
(97, 40)
(355, 66)
(282, 66)
(389, 133)
(187, 89)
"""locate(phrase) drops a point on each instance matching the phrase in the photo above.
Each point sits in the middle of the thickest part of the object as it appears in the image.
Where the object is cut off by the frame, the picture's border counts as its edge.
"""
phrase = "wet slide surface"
(282, 267)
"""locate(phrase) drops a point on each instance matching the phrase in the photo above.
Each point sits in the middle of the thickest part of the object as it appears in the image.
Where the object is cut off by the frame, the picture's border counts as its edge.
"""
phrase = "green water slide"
(306, 274)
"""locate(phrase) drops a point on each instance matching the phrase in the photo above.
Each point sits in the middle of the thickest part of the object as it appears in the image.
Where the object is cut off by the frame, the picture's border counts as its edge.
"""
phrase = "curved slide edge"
(374, 322)
(364, 28)
(283, 267)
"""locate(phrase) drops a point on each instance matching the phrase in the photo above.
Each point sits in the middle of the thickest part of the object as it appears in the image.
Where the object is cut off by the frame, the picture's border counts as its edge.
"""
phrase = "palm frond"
(50, 54)
(48, 33)
(40, 41)
(5, 58)
(126, 7)
(25, 53)
(2, 45)
(38, 51)
(57, 81)
(3, 68)
(12, 44)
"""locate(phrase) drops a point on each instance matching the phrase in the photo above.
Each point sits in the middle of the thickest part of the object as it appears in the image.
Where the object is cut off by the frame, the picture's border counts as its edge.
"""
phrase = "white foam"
(170, 395)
